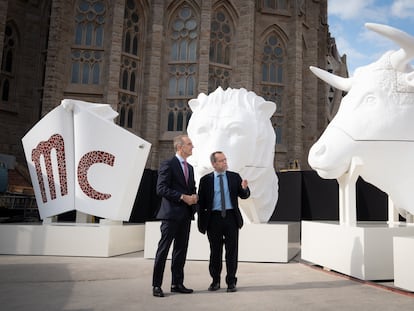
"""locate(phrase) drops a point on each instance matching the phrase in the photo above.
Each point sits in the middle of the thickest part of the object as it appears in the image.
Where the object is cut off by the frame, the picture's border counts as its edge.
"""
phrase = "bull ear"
(338, 82)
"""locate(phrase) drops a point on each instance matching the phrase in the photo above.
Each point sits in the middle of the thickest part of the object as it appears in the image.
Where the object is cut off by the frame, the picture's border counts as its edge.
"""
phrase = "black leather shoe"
(157, 291)
(214, 286)
(180, 289)
(231, 288)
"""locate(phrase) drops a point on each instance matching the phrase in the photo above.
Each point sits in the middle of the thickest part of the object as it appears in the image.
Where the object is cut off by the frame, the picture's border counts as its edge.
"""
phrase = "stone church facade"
(147, 58)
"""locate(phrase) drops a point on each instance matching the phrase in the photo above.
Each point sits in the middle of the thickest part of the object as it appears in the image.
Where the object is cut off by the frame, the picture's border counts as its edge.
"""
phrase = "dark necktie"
(223, 202)
(185, 171)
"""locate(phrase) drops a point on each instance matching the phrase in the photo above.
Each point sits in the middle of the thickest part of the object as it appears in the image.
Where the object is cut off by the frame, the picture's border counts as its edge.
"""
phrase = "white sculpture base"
(403, 262)
(364, 251)
(271, 242)
(71, 239)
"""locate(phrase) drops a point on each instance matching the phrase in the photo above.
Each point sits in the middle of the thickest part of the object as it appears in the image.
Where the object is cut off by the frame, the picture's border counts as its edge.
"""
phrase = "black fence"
(303, 195)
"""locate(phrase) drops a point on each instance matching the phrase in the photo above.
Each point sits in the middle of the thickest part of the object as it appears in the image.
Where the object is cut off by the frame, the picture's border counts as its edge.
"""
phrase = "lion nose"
(320, 150)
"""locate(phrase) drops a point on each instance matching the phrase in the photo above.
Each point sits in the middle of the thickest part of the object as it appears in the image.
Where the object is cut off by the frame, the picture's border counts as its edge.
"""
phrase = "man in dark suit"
(177, 188)
(219, 215)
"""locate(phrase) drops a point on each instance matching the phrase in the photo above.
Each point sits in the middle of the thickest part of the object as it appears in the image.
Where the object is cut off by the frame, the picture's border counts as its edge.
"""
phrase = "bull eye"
(370, 100)
(410, 78)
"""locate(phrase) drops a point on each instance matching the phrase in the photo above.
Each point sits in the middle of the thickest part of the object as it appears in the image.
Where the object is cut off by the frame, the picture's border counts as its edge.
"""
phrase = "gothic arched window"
(221, 36)
(131, 62)
(8, 63)
(87, 50)
(272, 82)
(183, 33)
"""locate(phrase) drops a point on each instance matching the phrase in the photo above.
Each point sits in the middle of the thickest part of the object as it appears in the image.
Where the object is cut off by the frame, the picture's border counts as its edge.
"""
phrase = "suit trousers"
(223, 232)
(179, 232)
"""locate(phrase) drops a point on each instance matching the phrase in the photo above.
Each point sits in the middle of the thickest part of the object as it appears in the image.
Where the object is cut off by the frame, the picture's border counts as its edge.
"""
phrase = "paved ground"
(124, 283)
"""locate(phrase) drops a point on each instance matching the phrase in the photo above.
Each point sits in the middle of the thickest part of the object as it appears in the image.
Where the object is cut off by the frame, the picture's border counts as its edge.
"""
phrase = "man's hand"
(190, 199)
(244, 184)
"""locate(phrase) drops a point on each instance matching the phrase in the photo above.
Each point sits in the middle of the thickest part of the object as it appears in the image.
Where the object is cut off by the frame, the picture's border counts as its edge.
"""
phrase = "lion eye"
(236, 130)
(202, 130)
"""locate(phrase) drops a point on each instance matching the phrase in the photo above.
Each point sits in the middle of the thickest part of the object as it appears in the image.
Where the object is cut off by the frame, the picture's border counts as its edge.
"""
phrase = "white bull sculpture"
(237, 122)
(372, 135)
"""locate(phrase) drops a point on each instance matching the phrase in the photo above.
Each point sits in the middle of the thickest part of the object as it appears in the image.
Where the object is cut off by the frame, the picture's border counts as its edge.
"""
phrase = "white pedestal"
(271, 242)
(403, 262)
(364, 251)
(71, 239)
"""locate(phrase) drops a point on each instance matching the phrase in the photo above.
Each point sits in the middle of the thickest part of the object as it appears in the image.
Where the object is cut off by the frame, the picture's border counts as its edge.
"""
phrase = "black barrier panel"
(147, 202)
(319, 197)
(372, 203)
(289, 203)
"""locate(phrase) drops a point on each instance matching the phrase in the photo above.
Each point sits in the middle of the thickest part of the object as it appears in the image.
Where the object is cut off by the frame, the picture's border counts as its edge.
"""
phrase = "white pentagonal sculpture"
(79, 159)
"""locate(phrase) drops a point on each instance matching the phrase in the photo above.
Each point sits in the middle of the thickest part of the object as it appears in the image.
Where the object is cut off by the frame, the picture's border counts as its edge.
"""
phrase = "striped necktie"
(185, 171)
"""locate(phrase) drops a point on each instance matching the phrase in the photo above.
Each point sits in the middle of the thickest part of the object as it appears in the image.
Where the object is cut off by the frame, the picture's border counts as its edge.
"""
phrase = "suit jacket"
(170, 186)
(206, 196)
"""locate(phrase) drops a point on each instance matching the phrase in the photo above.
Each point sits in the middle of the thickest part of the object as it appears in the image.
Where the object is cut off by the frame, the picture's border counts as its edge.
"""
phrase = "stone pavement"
(124, 283)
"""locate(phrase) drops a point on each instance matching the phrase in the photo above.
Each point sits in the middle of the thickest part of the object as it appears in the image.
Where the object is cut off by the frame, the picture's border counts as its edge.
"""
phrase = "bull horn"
(338, 82)
(400, 59)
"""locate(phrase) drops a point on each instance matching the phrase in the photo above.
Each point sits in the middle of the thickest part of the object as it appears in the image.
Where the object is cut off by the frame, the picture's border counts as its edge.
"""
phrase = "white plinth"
(403, 262)
(74, 239)
(271, 242)
(364, 251)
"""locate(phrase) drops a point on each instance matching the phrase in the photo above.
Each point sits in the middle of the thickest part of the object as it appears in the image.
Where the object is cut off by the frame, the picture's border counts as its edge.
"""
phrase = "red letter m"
(44, 148)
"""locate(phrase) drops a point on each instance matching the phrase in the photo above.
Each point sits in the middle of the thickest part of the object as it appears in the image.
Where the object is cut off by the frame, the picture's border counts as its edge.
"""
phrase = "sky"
(346, 19)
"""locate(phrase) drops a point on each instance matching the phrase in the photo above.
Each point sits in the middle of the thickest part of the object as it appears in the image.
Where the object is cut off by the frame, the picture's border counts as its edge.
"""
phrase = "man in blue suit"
(219, 215)
(177, 188)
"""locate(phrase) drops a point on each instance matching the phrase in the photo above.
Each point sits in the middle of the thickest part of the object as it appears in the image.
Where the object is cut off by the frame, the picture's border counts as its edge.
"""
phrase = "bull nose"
(316, 154)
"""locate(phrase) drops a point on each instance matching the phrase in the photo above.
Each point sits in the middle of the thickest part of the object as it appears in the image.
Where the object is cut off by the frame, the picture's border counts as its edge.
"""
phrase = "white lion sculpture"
(237, 122)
